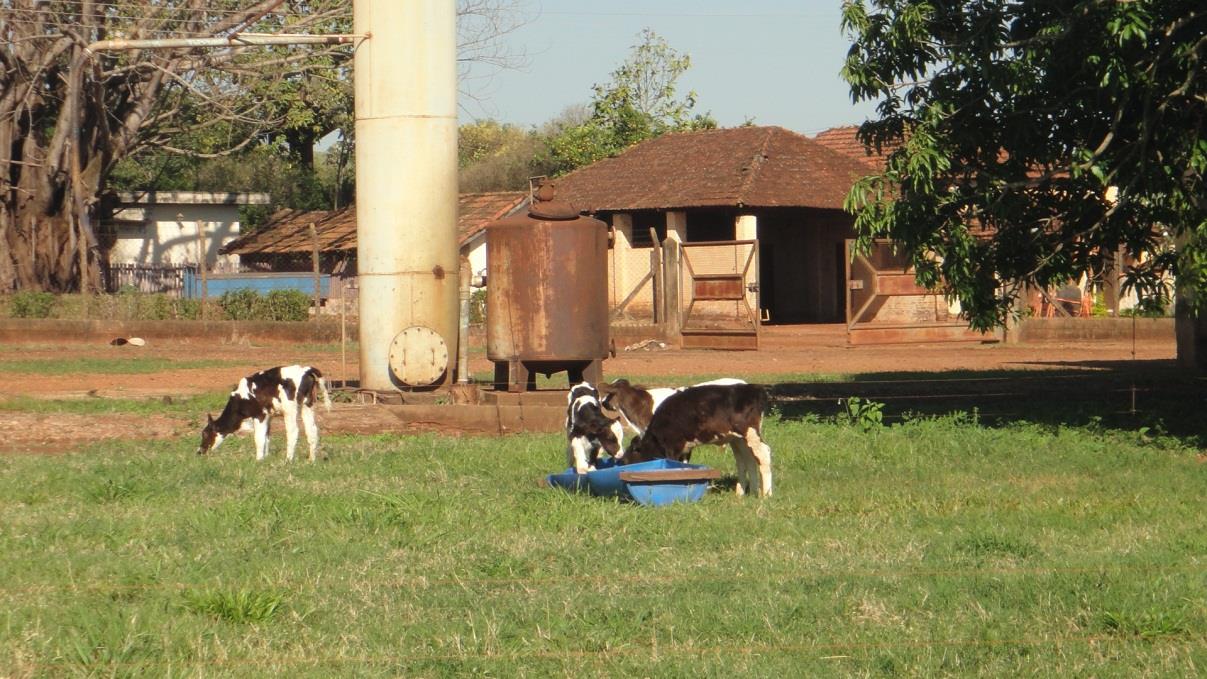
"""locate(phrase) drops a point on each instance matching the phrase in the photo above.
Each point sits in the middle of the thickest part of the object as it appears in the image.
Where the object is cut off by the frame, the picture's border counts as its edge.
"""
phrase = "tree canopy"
(638, 103)
(1028, 141)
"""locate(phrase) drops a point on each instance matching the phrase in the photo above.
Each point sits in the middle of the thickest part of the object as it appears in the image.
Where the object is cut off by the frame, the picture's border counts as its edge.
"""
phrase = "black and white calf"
(718, 414)
(636, 405)
(285, 390)
(588, 429)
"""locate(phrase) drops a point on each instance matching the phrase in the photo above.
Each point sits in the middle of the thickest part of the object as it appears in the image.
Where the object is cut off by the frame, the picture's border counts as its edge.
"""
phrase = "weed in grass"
(380, 511)
(1147, 625)
(113, 490)
(95, 649)
(239, 606)
(991, 546)
(862, 413)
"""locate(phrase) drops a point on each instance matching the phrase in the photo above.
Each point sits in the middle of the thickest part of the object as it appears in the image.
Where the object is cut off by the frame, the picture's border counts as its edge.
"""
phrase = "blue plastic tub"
(653, 483)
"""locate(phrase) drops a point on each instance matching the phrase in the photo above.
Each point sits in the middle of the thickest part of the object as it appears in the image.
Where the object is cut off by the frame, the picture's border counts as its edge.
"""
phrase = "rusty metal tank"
(546, 294)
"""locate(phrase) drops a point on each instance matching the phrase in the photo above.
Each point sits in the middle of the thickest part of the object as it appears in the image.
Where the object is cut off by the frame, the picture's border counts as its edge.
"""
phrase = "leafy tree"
(1033, 139)
(70, 114)
(638, 103)
(494, 156)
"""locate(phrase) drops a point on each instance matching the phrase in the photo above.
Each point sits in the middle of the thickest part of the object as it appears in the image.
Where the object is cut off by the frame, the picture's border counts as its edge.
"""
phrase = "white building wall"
(169, 236)
(162, 228)
(477, 253)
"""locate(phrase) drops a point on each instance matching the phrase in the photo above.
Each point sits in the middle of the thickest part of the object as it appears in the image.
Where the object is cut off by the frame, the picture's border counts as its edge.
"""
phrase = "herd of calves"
(665, 422)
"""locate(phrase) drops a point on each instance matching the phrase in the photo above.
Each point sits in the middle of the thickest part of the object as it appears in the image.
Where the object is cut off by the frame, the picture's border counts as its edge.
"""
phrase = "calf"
(588, 429)
(283, 390)
(717, 414)
(636, 405)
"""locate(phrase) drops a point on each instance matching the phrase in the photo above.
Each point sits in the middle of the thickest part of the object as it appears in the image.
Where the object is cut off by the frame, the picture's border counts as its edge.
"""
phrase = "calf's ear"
(210, 418)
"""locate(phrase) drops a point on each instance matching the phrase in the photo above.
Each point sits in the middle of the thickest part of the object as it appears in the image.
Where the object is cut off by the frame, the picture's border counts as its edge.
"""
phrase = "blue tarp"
(263, 283)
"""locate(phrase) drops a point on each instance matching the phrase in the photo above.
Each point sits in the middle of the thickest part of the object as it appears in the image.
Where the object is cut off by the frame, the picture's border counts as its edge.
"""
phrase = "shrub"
(285, 305)
(477, 307)
(239, 305)
(32, 304)
(189, 309)
(129, 304)
(279, 305)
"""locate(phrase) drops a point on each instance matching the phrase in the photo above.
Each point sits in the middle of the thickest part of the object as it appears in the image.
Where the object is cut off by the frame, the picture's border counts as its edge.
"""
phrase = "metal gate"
(885, 305)
(720, 293)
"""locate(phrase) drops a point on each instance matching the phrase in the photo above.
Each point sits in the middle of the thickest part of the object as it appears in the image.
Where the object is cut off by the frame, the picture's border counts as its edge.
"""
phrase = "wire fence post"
(314, 261)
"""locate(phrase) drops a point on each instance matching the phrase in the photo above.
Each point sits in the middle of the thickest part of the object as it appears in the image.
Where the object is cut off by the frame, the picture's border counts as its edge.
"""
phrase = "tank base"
(517, 376)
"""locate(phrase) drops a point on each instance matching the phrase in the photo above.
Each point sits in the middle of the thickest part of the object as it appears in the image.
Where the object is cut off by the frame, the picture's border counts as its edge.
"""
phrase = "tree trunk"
(43, 242)
(301, 145)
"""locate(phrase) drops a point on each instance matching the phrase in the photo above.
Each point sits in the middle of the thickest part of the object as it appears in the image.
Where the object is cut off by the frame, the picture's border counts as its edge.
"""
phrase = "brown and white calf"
(636, 405)
(588, 429)
(718, 414)
(285, 390)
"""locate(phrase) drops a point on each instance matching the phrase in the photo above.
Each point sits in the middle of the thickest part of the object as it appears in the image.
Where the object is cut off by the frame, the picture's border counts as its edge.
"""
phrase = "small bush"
(863, 413)
(189, 309)
(279, 305)
(31, 304)
(239, 305)
(477, 307)
(285, 305)
(157, 307)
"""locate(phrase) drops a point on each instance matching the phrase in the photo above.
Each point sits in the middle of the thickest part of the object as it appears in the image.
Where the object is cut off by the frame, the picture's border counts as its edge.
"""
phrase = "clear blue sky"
(773, 61)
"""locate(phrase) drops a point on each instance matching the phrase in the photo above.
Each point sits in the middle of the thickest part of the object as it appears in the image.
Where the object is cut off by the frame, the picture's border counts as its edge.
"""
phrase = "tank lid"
(544, 205)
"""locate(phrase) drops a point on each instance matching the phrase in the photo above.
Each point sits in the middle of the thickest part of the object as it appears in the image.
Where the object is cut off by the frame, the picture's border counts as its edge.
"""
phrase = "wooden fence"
(146, 277)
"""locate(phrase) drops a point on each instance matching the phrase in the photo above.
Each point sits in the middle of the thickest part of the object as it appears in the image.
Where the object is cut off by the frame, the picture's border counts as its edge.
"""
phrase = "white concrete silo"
(406, 191)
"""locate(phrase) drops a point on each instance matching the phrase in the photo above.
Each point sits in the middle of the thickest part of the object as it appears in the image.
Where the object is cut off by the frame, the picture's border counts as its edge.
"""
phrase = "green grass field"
(935, 546)
(104, 366)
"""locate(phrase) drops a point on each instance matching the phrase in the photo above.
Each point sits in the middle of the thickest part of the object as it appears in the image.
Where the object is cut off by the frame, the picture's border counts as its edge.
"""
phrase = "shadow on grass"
(1111, 394)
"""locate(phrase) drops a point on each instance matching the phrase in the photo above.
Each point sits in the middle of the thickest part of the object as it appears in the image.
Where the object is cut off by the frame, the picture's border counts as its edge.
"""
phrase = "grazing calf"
(636, 405)
(717, 414)
(284, 390)
(588, 429)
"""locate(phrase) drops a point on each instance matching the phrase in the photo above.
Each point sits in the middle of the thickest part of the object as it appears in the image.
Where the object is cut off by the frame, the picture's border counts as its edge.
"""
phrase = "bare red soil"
(785, 350)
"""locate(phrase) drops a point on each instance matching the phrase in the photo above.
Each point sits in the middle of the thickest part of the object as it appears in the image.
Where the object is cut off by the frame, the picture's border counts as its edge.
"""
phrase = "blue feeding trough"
(654, 483)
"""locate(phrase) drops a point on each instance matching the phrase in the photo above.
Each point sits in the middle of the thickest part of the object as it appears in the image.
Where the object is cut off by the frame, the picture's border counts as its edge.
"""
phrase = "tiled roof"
(737, 167)
(476, 210)
(845, 141)
(289, 230)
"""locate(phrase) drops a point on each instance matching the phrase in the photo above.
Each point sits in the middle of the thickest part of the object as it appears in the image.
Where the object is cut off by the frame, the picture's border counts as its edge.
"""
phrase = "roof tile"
(845, 140)
(289, 230)
(735, 167)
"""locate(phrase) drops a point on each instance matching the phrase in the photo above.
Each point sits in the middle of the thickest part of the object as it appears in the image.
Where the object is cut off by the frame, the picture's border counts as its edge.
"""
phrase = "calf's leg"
(312, 431)
(289, 410)
(576, 454)
(743, 460)
(260, 432)
(762, 457)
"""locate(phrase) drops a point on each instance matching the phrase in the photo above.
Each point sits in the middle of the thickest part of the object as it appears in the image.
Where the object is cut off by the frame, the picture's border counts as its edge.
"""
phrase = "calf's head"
(210, 438)
(642, 449)
(621, 397)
